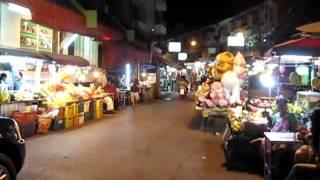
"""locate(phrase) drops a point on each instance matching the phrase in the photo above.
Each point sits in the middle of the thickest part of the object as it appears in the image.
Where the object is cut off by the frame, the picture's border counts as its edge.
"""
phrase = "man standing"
(134, 92)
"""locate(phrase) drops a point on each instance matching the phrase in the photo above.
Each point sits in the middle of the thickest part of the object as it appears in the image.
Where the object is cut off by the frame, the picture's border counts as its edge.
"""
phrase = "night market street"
(153, 142)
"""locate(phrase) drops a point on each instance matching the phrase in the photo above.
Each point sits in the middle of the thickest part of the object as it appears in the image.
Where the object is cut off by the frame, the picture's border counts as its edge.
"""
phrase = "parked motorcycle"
(183, 91)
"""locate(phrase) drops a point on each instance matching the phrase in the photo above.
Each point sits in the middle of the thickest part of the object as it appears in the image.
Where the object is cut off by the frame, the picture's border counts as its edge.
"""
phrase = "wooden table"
(272, 138)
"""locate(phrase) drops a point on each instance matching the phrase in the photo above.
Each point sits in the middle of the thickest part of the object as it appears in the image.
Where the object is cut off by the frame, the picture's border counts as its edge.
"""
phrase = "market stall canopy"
(310, 28)
(168, 60)
(305, 46)
(21, 52)
(67, 59)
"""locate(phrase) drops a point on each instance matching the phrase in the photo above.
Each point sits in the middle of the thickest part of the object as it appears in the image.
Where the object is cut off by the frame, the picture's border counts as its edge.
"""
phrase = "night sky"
(183, 16)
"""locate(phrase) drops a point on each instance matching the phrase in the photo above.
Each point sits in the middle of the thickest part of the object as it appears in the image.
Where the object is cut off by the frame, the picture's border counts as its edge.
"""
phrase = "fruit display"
(300, 110)
(4, 93)
(57, 95)
(315, 83)
(295, 79)
(235, 121)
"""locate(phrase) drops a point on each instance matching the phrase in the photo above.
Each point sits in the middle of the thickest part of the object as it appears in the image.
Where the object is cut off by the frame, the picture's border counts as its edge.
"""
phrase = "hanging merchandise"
(295, 79)
(224, 88)
(282, 68)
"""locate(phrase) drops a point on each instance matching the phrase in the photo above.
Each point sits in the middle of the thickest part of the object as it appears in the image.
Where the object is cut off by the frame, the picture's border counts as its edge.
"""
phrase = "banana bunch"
(295, 79)
(316, 83)
(236, 124)
(298, 110)
(4, 93)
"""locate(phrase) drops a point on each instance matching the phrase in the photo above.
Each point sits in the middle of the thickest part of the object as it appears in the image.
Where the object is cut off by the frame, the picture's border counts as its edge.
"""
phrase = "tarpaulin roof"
(307, 46)
(310, 28)
(21, 52)
(67, 59)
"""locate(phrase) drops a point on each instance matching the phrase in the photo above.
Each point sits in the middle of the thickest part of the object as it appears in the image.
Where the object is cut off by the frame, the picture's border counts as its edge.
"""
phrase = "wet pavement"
(154, 142)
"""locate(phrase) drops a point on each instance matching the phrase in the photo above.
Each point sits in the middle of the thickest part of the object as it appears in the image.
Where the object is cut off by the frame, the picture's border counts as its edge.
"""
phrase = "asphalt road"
(154, 142)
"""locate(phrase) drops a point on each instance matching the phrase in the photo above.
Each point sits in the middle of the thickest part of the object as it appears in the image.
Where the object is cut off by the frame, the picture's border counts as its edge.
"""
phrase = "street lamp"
(193, 43)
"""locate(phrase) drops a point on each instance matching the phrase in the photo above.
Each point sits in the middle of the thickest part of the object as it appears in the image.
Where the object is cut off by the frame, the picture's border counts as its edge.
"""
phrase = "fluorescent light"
(182, 56)
(69, 41)
(174, 46)
(296, 57)
(20, 10)
(128, 74)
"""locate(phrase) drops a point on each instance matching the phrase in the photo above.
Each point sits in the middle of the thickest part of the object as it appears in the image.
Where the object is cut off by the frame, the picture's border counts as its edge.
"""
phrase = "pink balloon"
(209, 103)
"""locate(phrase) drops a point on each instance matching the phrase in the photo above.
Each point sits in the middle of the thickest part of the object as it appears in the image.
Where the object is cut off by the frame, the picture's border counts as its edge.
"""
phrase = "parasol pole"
(278, 77)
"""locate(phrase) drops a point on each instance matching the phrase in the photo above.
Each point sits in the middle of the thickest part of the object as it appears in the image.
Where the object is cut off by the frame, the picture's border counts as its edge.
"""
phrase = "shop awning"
(169, 61)
(306, 46)
(67, 59)
(21, 52)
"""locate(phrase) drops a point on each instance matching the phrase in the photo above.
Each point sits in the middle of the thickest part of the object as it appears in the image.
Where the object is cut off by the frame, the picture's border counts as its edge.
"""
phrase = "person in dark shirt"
(134, 92)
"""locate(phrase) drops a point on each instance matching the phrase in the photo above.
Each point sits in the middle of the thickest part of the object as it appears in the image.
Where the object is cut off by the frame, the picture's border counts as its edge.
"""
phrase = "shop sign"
(236, 41)
(174, 46)
(35, 37)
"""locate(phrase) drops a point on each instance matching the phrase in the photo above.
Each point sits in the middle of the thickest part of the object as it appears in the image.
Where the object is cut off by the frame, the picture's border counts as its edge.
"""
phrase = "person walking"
(134, 92)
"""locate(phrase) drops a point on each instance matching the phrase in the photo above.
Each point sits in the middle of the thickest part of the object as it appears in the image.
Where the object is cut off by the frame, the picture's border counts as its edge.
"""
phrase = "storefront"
(41, 89)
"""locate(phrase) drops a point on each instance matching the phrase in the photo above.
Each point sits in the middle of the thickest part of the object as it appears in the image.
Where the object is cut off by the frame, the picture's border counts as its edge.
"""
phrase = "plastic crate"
(98, 114)
(61, 113)
(98, 105)
(28, 130)
(92, 105)
(76, 110)
(24, 118)
(88, 117)
(57, 124)
(86, 107)
(44, 123)
(69, 111)
(68, 123)
(81, 118)
(81, 106)
(76, 121)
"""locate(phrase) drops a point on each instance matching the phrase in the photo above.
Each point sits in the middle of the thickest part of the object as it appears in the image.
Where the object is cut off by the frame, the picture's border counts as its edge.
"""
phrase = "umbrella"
(310, 28)
(304, 46)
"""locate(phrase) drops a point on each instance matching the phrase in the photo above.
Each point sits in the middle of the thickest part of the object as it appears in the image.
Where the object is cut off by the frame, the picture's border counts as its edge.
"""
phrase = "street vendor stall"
(223, 86)
(42, 92)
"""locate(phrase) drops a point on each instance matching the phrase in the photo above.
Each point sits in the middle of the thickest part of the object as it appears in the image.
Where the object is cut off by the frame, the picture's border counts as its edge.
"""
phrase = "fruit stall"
(50, 96)
(226, 92)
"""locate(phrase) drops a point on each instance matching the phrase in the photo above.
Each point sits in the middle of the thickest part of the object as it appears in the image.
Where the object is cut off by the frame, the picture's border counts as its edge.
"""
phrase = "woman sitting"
(282, 121)
(307, 156)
